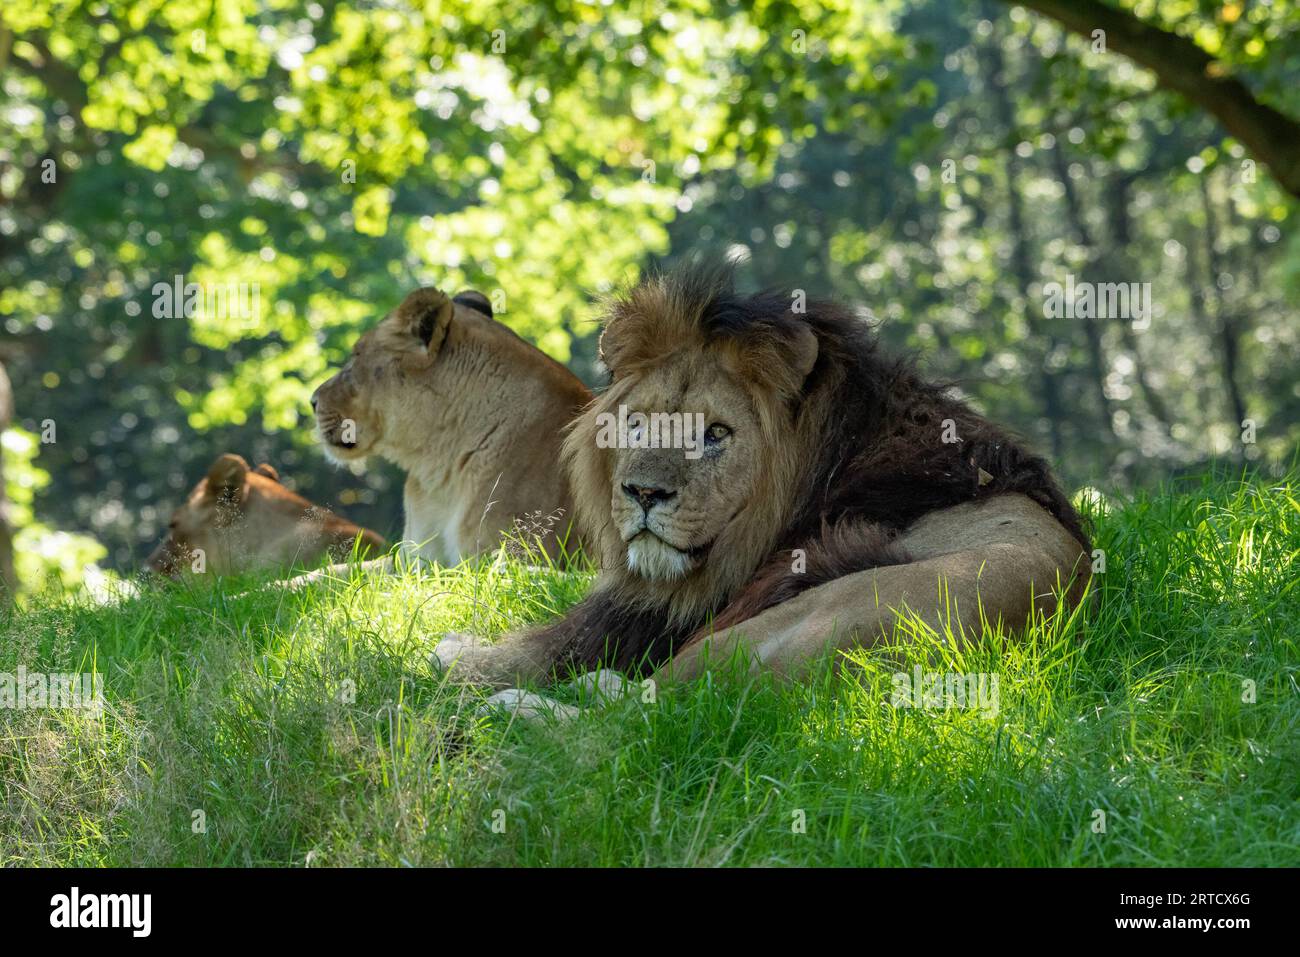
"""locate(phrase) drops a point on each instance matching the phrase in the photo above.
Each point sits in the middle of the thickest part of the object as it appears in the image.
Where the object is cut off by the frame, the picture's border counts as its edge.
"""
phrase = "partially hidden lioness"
(239, 519)
(472, 413)
(827, 490)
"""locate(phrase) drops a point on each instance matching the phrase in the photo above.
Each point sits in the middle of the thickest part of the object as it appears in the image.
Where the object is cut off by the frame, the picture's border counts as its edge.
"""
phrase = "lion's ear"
(427, 313)
(782, 361)
(474, 300)
(803, 352)
(226, 476)
(616, 344)
(266, 470)
(603, 350)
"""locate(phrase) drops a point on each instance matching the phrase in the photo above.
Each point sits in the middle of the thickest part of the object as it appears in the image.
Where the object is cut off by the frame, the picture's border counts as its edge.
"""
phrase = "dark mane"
(883, 455)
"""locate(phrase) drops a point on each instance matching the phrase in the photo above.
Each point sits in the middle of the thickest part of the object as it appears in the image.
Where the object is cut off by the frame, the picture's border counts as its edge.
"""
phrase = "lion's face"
(380, 376)
(685, 525)
(673, 503)
(238, 519)
(405, 378)
(189, 534)
(207, 533)
(349, 406)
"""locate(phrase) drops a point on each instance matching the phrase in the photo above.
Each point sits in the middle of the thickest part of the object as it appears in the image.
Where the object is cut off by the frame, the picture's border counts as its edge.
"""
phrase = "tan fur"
(1001, 560)
(244, 520)
(474, 417)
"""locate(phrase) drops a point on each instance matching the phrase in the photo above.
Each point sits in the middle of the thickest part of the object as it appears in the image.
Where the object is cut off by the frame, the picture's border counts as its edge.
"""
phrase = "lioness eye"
(716, 432)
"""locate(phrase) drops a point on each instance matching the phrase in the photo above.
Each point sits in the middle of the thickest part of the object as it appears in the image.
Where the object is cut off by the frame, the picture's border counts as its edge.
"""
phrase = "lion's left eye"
(716, 432)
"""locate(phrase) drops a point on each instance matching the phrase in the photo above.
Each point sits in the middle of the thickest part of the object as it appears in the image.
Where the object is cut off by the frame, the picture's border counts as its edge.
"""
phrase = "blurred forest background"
(937, 162)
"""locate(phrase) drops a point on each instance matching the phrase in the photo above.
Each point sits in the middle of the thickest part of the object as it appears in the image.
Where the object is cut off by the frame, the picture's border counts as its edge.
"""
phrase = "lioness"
(239, 519)
(474, 415)
(832, 488)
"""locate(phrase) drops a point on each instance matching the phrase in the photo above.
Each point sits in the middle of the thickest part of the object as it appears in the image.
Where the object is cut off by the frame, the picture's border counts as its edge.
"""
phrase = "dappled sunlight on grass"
(249, 724)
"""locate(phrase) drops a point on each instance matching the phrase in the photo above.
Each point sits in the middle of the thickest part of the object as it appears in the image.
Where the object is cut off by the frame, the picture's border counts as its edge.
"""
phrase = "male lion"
(239, 519)
(835, 488)
(474, 415)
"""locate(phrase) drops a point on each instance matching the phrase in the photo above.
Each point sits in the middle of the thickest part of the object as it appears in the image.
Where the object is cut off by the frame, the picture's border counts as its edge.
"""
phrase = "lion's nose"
(648, 498)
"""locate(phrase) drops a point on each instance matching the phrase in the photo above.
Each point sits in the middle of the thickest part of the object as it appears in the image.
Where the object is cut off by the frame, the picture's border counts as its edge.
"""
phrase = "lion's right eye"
(716, 433)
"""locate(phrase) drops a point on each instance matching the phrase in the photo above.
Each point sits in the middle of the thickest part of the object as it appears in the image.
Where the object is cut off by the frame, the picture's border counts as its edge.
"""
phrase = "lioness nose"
(648, 498)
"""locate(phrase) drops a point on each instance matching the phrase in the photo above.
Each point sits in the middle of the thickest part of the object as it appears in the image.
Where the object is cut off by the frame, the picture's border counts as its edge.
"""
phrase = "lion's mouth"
(655, 558)
(331, 434)
(644, 532)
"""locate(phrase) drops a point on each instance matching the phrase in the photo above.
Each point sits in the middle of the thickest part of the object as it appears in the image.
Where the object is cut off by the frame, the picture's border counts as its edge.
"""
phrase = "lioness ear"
(268, 471)
(227, 475)
(475, 300)
(427, 313)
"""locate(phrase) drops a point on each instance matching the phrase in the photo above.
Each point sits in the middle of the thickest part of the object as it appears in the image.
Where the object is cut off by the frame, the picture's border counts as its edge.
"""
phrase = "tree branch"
(1182, 66)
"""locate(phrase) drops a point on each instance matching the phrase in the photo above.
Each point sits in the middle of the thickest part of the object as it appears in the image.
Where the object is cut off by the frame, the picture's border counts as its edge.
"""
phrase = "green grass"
(234, 702)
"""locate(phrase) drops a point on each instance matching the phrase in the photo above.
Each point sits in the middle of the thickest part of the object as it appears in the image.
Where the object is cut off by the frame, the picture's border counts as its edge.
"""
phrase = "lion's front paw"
(601, 685)
(305, 579)
(528, 705)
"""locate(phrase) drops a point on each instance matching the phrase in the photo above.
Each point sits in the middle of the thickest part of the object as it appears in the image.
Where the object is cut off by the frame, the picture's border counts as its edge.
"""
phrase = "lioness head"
(693, 491)
(238, 519)
(368, 406)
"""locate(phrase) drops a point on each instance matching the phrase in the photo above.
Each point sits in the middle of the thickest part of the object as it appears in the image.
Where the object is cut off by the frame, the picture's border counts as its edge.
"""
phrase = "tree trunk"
(8, 576)
(1121, 234)
(1226, 328)
(1091, 326)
